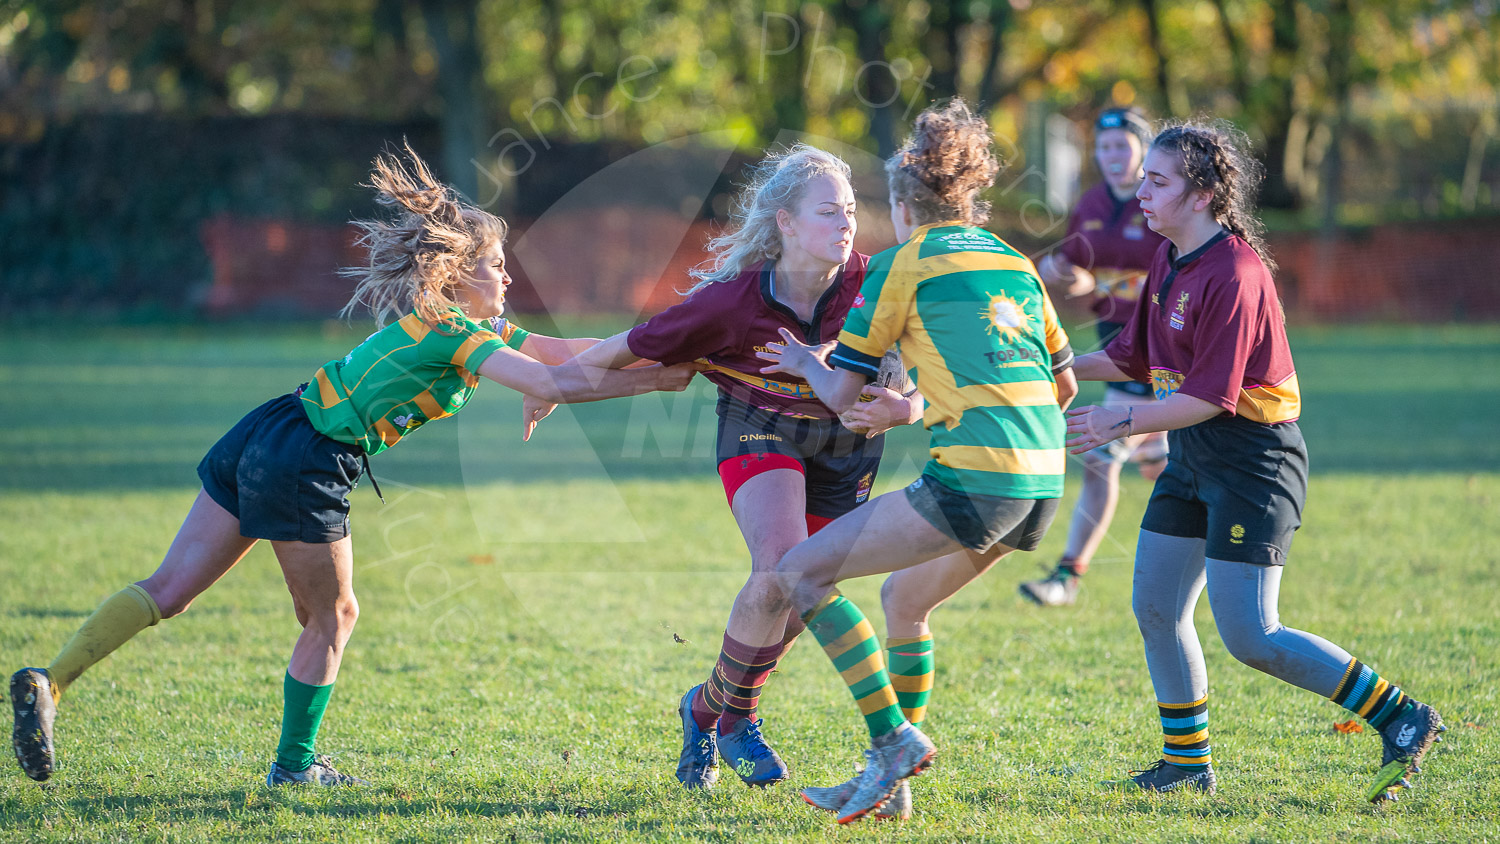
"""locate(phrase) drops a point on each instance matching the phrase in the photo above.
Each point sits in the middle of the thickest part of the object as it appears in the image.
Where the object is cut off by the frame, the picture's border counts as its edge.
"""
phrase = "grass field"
(514, 673)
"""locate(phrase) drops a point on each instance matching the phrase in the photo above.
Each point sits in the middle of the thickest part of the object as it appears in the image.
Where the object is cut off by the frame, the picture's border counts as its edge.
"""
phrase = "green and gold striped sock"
(910, 664)
(1185, 727)
(849, 640)
(1370, 696)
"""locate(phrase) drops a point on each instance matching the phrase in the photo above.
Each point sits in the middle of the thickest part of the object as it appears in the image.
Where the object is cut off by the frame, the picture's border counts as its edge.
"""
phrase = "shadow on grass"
(243, 806)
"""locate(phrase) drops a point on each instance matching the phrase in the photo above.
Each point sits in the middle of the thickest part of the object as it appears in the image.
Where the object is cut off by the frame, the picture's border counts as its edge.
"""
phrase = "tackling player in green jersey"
(284, 472)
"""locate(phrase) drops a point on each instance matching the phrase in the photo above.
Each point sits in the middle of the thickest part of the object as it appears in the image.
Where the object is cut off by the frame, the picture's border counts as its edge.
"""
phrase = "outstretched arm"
(1091, 427)
(555, 350)
(576, 382)
(612, 353)
(1097, 366)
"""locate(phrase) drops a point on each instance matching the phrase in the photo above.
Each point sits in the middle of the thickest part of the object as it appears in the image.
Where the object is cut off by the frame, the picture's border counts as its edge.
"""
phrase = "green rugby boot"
(35, 710)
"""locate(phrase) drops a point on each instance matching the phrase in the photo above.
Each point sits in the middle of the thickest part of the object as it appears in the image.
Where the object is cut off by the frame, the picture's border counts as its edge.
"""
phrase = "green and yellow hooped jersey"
(402, 377)
(975, 324)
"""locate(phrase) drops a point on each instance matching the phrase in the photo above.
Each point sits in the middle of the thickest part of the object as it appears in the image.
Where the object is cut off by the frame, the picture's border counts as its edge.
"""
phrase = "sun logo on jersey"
(1007, 317)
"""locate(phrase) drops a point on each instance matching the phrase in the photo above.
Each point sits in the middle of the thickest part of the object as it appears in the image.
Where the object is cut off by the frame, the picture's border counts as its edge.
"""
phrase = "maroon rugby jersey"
(727, 322)
(1109, 238)
(1210, 325)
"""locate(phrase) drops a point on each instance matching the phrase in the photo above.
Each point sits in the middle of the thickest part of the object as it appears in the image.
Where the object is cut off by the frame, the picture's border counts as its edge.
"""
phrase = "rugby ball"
(891, 375)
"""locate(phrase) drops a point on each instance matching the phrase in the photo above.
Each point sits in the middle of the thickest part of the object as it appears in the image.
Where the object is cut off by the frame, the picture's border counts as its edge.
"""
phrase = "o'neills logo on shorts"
(863, 490)
(745, 438)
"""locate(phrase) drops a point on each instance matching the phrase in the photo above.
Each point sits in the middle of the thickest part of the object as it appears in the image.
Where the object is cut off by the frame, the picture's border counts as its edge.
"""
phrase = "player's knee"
(764, 595)
(346, 614)
(899, 606)
(1249, 645)
(1151, 617)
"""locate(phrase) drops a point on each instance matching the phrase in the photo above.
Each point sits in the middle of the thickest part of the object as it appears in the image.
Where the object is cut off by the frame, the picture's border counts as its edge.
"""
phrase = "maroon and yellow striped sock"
(733, 688)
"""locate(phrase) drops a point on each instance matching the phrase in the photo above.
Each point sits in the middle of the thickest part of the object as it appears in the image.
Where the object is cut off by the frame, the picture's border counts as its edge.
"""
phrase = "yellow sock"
(120, 617)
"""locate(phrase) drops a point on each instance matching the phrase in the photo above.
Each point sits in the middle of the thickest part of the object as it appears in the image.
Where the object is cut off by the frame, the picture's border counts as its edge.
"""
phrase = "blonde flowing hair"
(432, 245)
(776, 184)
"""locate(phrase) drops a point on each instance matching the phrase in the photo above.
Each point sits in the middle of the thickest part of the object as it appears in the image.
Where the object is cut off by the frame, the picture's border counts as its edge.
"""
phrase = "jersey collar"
(1182, 262)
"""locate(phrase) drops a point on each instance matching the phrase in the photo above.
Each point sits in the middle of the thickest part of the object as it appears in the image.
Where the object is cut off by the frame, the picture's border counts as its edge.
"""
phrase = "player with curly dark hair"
(1209, 336)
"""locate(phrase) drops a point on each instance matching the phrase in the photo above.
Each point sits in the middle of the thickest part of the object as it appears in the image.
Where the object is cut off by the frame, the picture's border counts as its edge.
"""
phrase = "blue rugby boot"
(698, 766)
(746, 751)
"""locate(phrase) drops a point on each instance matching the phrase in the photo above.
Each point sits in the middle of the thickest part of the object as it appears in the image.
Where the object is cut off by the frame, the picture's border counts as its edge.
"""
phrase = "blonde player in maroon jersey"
(1104, 256)
(1209, 336)
(787, 464)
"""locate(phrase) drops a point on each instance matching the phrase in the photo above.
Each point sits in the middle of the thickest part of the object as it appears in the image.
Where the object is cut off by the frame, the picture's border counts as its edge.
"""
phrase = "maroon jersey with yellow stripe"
(727, 322)
(1210, 325)
(1109, 238)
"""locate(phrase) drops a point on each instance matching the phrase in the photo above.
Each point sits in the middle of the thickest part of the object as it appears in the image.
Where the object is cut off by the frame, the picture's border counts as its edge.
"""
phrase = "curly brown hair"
(1214, 157)
(942, 168)
(433, 244)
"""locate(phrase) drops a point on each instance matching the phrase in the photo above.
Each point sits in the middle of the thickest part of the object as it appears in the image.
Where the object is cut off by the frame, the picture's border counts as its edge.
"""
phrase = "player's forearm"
(1097, 366)
(837, 388)
(556, 350)
(915, 405)
(611, 353)
(572, 383)
(1170, 414)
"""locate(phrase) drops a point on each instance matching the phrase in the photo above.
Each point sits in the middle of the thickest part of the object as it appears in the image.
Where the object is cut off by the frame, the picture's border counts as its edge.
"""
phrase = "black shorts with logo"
(280, 477)
(979, 522)
(1236, 483)
(839, 464)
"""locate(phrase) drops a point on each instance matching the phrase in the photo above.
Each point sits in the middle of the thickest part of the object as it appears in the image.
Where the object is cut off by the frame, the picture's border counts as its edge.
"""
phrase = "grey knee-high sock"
(1168, 580)
(1244, 596)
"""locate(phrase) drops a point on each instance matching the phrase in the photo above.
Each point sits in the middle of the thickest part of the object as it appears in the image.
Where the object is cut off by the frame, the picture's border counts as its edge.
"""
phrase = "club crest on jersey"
(863, 490)
(1177, 319)
(859, 301)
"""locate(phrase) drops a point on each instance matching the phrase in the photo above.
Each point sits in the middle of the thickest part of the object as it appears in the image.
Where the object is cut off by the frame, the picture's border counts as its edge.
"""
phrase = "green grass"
(514, 673)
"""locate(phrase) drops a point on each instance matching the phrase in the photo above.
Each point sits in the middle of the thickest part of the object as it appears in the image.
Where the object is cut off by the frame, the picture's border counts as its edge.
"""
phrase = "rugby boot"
(35, 710)
(1058, 589)
(907, 753)
(746, 751)
(1405, 740)
(698, 764)
(833, 798)
(1163, 776)
(320, 772)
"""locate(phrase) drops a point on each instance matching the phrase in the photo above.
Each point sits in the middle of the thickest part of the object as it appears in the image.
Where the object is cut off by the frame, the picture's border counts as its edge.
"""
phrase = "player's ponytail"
(942, 168)
(776, 184)
(433, 244)
(1214, 158)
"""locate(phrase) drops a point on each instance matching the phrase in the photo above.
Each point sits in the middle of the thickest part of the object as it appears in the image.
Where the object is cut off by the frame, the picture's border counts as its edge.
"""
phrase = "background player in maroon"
(788, 465)
(1209, 336)
(1104, 256)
